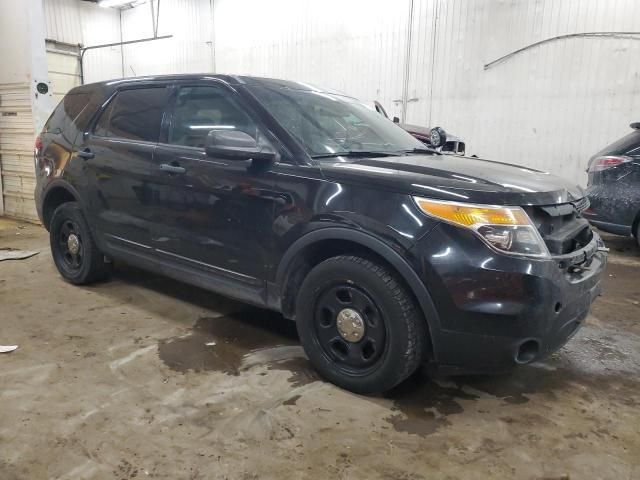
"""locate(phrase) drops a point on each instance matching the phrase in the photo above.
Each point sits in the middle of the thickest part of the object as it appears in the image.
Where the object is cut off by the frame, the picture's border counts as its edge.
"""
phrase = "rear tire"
(74, 251)
(358, 324)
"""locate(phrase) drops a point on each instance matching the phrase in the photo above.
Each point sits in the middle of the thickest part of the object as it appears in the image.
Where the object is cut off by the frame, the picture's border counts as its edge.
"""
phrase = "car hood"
(455, 178)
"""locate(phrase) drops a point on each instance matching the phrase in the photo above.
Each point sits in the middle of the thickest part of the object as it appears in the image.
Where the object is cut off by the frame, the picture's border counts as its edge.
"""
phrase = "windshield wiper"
(423, 150)
(358, 153)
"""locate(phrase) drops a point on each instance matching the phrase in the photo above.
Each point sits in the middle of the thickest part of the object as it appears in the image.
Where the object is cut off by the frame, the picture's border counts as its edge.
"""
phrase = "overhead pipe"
(155, 18)
(116, 44)
(631, 35)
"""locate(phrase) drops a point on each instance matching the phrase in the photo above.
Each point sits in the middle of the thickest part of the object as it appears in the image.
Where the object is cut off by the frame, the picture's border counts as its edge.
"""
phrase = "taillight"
(37, 150)
(608, 161)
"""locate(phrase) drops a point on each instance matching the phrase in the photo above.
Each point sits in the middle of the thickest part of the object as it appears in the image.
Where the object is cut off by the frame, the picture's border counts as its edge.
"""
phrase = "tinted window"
(198, 110)
(134, 114)
(66, 112)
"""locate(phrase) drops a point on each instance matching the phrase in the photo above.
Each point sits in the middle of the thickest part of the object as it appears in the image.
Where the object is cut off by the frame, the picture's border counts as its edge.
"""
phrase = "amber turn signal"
(469, 215)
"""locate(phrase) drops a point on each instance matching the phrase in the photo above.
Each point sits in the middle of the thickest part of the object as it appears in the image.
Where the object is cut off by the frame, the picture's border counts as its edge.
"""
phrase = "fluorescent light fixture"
(212, 127)
(113, 3)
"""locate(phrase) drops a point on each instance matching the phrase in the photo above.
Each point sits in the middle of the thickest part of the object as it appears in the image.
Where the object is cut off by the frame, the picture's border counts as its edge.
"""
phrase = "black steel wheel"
(358, 324)
(70, 244)
(349, 327)
(74, 251)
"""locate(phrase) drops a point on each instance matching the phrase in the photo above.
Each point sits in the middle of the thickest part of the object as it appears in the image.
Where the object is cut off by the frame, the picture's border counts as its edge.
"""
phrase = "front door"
(210, 213)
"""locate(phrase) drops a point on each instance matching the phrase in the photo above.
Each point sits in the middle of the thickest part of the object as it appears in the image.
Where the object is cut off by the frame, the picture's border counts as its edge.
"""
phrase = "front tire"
(358, 324)
(74, 251)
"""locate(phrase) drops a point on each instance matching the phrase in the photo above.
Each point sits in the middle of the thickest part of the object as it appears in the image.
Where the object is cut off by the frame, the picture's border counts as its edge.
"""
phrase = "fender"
(60, 183)
(401, 266)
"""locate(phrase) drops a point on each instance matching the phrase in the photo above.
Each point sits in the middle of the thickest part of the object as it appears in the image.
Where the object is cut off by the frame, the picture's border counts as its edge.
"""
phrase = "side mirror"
(396, 120)
(236, 145)
(437, 137)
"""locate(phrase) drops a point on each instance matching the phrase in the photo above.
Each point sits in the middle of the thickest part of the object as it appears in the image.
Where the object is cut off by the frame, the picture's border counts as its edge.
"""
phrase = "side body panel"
(614, 193)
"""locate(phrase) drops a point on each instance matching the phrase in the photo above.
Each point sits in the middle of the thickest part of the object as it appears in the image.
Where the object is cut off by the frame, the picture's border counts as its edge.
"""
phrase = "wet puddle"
(236, 342)
(252, 337)
(422, 406)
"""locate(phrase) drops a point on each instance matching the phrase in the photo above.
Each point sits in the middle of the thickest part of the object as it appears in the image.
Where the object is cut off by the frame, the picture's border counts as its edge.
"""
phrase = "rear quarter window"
(134, 115)
(67, 112)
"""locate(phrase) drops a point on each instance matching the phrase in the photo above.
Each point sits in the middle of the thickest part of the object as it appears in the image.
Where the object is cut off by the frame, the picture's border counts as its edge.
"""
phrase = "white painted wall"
(550, 107)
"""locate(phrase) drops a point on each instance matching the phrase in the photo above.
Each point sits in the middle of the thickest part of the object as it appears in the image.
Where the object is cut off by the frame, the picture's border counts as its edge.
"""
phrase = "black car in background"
(384, 252)
(614, 186)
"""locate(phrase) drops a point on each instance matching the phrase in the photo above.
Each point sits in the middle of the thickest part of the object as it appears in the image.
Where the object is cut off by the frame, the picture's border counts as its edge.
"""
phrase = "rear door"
(118, 155)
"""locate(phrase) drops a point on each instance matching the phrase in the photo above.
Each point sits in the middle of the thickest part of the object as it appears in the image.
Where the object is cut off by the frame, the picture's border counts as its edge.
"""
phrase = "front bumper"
(495, 310)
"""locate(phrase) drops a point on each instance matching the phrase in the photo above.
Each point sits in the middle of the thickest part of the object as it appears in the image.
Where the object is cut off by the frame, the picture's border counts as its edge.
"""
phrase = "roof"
(230, 79)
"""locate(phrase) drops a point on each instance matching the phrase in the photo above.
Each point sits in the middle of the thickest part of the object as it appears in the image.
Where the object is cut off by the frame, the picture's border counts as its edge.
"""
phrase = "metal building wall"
(550, 107)
(85, 23)
(189, 50)
(357, 46)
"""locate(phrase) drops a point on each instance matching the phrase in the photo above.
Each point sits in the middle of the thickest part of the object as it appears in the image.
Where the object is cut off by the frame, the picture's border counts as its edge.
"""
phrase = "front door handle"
(165, 167)
(86, 154)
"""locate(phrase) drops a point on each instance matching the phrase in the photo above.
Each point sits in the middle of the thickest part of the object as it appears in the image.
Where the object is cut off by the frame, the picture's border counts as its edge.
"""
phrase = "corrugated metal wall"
(550, 107)
(190, 49)
(357, 46)
(78, 22)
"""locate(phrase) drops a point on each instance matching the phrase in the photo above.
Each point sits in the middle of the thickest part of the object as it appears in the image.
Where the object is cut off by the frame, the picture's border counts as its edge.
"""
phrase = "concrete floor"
(121, 380)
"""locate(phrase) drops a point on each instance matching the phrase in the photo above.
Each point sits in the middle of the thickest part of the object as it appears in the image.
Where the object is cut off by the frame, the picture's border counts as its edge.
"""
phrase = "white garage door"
(17, 179)
(63, 64)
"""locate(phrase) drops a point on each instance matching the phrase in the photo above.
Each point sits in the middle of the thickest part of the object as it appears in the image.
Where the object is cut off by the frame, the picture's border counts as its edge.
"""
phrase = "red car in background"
(435, 137)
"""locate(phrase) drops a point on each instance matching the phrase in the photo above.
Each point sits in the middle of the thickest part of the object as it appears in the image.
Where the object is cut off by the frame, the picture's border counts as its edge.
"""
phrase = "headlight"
(507, 229)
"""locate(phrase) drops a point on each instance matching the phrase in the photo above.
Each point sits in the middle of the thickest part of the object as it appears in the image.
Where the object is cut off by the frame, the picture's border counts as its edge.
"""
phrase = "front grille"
(562, 226)
(582, 204)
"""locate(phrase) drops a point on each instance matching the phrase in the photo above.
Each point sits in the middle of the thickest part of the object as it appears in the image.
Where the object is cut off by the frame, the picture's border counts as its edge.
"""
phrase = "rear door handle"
(86, 154)
(165, 167)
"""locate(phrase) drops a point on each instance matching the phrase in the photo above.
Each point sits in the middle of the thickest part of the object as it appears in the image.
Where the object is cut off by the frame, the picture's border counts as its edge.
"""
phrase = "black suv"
(614, 186)
(386, 253)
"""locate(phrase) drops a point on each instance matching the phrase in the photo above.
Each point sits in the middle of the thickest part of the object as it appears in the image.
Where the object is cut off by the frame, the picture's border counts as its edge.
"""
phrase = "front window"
(328, 124)
(200, 109)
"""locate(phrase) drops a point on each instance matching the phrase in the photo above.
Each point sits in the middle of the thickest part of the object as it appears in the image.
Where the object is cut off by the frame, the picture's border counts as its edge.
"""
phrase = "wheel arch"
(303, 255)
(56, 194)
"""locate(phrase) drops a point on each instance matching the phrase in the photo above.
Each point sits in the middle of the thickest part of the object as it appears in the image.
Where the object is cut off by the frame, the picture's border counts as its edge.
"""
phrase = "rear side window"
(134, 115)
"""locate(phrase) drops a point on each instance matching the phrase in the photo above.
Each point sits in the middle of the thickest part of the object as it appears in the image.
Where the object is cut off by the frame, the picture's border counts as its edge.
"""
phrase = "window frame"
(111, 99)
(169, 114)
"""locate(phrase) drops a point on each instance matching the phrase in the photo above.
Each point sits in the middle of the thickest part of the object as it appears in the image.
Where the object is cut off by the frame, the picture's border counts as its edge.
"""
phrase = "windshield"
(328, 124)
